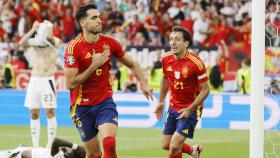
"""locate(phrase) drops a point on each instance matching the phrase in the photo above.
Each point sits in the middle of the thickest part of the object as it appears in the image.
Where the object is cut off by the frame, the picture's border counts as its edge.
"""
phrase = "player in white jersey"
(41, 91)
(59, 149)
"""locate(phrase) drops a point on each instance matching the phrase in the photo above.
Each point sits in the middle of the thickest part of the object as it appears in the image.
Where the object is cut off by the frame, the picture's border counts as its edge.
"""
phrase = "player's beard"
(96, 30)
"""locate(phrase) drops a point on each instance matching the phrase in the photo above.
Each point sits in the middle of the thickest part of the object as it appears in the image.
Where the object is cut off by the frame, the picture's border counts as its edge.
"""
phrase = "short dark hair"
(246, 62)
(186, 33)
(82, 11)
(78, 155)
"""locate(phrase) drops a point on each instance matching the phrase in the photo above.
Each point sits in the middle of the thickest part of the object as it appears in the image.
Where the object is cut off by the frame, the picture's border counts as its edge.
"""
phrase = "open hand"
(99, 59)
(147, 91)
(158, 111)
(185, 113)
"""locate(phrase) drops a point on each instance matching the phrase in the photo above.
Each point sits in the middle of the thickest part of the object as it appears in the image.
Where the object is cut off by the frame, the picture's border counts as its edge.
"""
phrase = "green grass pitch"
(145, 143)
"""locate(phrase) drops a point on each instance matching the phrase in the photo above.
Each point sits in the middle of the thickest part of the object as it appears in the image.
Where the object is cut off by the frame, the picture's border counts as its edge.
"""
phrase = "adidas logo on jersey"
(88, 55)
(169, 68)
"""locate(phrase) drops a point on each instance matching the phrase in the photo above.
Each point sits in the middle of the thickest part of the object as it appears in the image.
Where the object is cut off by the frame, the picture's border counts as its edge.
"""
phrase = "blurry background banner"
(221, 111)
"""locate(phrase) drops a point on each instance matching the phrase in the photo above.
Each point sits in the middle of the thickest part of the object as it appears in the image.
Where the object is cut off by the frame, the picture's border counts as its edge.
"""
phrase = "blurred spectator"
(7, 15)
(187, 23)
(196, 10)
(125, 80)
(134, 26)
(215, 79)
(222, 59)
(245, 7)
(139, 40)
(228, 11)
(173, 11)
(17, 63)
(18, 59)
(68, 24)
(3, 33)
(142, 11)
(115, 17)
(121, 37)
(151, 24)
(200, 29)
(275, 87)
(154, 79)
(165, 25)
(244, 77)
(57, 29)
(24, 23)
(130, 14)
(8, 71)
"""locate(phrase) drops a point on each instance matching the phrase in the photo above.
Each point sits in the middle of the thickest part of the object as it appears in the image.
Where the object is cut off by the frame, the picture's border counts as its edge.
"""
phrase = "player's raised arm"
(129, 62)
(162, 95)
(24, 40)
(73, 79)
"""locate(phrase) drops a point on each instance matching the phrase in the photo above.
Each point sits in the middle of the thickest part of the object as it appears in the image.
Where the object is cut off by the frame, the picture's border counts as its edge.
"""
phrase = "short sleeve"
(163, 66)
(117, 49)
(201, 72)
(71, 56)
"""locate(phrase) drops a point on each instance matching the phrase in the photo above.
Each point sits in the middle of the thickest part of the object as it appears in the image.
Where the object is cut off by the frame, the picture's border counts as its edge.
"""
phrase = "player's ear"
(83, 23)
(187, 44)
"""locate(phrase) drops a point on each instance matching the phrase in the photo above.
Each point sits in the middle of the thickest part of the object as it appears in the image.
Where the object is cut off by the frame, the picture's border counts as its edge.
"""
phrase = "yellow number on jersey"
(178, 84)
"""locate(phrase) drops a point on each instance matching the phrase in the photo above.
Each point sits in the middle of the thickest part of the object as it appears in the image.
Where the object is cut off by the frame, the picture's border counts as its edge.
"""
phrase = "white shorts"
(37, 152)
(41, 153)
(41, 92)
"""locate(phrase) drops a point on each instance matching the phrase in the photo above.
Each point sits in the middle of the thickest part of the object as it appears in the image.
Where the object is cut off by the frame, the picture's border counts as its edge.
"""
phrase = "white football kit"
(41, 93)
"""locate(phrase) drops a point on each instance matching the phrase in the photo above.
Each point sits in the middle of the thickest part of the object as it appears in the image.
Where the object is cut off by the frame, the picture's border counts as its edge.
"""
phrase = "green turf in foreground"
(145, 143)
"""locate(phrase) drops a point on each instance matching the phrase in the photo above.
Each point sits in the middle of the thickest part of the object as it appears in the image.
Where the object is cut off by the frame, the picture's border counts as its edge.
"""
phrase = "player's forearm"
(24, 39)
(57, 143)
(82, 77)
(200, 98)
(163, 89)
(138, 72)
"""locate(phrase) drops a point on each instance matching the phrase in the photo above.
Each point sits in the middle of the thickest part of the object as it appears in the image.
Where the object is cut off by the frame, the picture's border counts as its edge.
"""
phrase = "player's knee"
(174, 148)
(34, 116)
(165, 146)
(50, 113)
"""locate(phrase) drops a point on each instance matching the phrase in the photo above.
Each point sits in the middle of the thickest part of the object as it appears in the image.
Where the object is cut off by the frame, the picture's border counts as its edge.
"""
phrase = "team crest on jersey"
(70, 60)
(177, 74)
(185, 72)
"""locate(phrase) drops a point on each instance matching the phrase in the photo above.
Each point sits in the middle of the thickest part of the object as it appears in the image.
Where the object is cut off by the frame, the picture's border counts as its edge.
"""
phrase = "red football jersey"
(184, 76)
(98, 86)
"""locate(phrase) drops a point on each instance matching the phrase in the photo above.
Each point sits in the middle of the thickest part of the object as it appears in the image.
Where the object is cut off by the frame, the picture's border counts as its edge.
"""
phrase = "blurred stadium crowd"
(146, 23)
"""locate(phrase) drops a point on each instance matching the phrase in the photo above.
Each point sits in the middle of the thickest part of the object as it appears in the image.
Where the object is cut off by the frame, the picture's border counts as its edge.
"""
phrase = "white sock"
(52, 126)
(35, 132)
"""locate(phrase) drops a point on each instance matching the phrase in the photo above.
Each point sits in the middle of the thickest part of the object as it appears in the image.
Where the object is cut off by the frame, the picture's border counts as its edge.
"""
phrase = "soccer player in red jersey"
(185, 76)
(87, 66)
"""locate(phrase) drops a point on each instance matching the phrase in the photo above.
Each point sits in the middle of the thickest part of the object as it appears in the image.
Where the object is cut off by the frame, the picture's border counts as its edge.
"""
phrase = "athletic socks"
(52, 126)
(186, 148)
(109, 146)
(35, 132)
